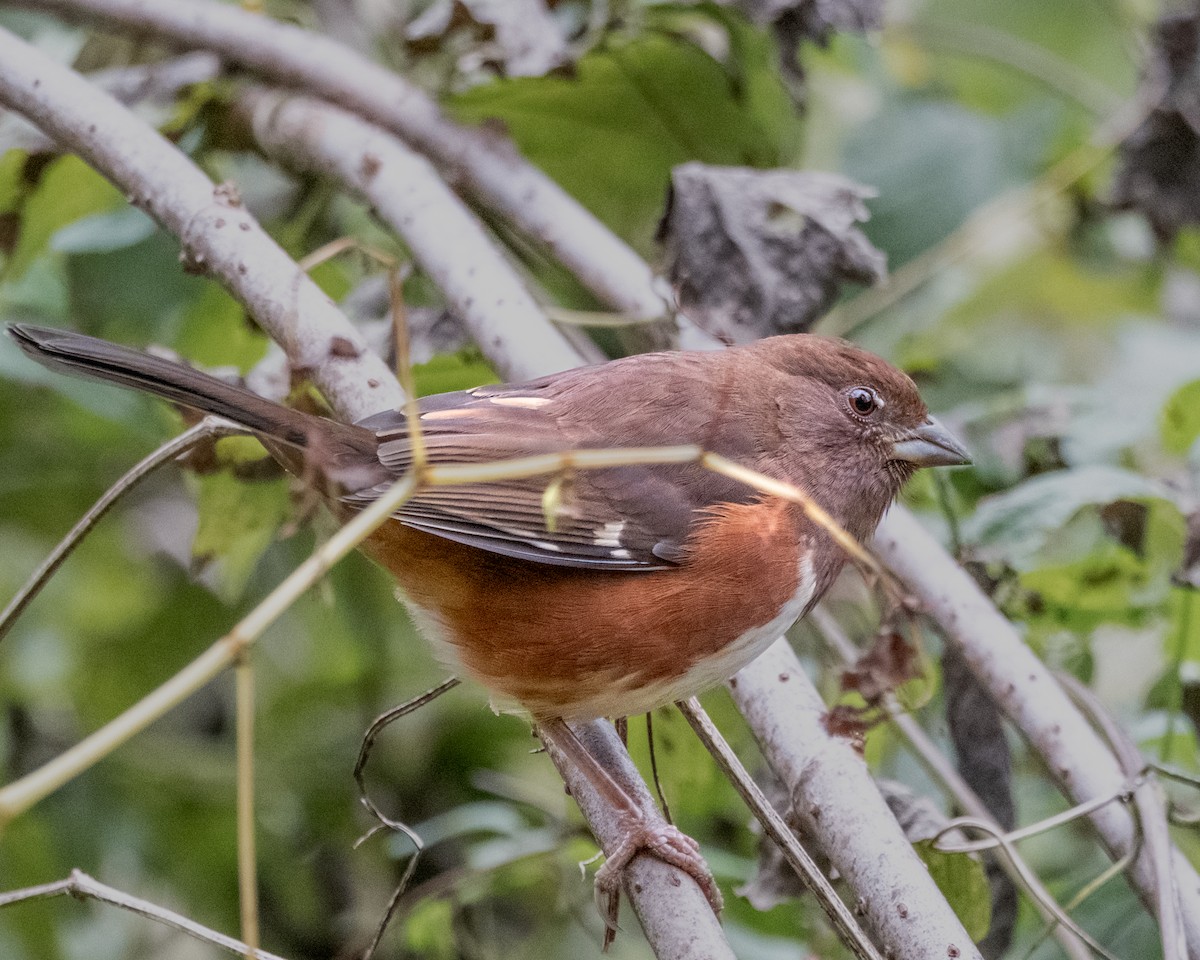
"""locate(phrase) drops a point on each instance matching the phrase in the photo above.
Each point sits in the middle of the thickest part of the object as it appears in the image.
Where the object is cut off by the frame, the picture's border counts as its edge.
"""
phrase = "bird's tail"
(75, 353)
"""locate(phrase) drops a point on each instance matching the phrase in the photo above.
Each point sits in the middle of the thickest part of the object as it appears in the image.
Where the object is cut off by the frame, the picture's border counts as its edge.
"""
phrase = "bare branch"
(81, 886)
(839, 806)
(247, 858)
(1025, 689)
(774, 826)
(217, 233)
(674, 913)
(1156, 853)
(942, 771)
(484, 162)
(19, 796)
(445, 238)
(136, 86)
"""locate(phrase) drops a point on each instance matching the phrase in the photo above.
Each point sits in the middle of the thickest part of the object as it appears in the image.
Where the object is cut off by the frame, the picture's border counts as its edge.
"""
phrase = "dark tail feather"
(77, 354)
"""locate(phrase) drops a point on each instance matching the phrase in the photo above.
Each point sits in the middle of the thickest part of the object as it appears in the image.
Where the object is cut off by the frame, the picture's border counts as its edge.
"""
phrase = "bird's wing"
(619, 518)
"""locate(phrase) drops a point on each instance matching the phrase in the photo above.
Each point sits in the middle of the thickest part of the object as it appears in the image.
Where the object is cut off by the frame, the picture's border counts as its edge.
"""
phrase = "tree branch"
(221, 235)
(482, 161)
(674, 913)
(80, 886)
(446, 240)
(217, 233)
(1025, 689)
(939, 767)
(838, 805)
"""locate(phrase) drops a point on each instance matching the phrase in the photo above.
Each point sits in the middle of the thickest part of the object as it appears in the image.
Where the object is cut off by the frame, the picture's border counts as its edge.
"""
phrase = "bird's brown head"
(854, 427)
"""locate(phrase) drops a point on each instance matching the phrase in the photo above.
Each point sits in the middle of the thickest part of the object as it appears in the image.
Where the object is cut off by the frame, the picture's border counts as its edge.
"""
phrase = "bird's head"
(854, 426)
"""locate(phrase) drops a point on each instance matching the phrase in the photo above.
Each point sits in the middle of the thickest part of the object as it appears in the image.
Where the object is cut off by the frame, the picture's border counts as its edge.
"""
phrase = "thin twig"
(1045, 825)
(834, 801)
(382, 722)
(843, 920)
(208, 428)
(1006, 845)
(81, 886)
(384, 821)
(1028, 693)
(662, 798)
(1151, 805)
(20, 795)
(246, 856)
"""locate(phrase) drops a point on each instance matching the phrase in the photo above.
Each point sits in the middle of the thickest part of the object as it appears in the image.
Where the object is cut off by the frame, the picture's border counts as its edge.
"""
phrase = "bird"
(644, 584)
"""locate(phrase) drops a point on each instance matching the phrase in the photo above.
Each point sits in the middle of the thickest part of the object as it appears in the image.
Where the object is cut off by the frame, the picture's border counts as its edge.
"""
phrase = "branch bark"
(1079, 760)
(483, 162)
(964, 614)
(82, 887)
(674, 913)
(840, 808)
(217, 233)
(445, 238)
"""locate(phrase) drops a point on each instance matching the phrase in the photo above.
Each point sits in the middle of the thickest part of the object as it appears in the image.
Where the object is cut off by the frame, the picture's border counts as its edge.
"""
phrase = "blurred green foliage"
(1053, 333)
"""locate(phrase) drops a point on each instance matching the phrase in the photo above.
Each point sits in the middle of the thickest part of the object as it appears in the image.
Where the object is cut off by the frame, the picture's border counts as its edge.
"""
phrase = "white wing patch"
(610, 534)
(529, 403)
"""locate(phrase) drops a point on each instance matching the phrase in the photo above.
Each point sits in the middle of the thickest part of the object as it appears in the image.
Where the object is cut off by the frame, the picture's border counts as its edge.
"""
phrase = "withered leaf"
(794, 21)
(518, 37)
(758, 252)
(1159, 172)
(890, 662)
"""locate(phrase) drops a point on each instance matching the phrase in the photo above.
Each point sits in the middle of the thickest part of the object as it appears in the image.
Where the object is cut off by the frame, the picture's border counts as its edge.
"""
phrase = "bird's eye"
(863, 401)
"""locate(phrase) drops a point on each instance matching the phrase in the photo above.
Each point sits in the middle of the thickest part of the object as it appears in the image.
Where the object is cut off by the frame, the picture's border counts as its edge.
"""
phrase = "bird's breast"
(581, 643)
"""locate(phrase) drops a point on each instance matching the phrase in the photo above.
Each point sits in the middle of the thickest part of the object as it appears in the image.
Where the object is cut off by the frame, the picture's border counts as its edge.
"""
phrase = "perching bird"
(649, 584)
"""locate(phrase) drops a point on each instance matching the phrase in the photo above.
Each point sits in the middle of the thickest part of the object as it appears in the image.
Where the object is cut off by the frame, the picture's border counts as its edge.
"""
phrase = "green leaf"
(238, 521)
(965, 159)
(1088, 577)
(636, 110)
(1180, 418)
(12, 166)
(429, 929)
(239, 451)
(68, 191)
(963, 883)
(1016, 525)
(104, 232)
(448, 372)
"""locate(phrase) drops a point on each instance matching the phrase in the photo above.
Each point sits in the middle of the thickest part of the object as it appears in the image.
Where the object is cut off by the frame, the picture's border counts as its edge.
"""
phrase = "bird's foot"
(652, 834)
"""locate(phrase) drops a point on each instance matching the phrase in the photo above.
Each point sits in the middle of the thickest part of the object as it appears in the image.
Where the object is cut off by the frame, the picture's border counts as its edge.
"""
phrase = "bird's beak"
(930, 445)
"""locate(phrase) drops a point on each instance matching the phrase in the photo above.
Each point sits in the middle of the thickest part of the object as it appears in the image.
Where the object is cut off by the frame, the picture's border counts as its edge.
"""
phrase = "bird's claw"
(662, 840)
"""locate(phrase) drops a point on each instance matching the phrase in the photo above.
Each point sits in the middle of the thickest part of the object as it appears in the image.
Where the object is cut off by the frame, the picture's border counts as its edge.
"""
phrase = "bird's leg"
(641, 828)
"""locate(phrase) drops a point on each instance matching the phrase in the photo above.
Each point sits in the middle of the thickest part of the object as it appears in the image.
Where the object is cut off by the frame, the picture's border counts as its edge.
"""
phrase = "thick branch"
(838, 805)
(445, 238)
(1023, 686)
(484, 162)
(218, 234)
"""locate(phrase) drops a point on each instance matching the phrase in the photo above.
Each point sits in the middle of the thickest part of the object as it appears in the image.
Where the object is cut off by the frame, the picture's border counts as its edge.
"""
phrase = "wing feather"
(621, 518)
